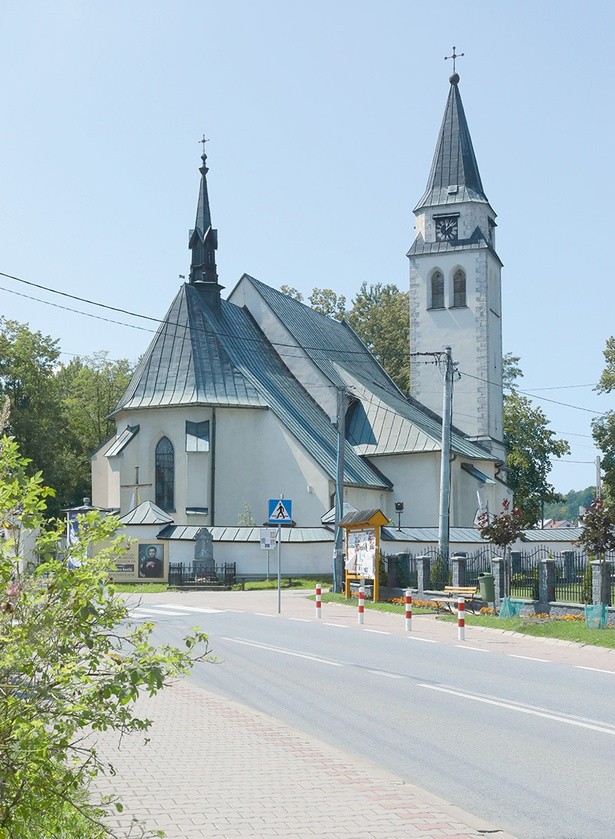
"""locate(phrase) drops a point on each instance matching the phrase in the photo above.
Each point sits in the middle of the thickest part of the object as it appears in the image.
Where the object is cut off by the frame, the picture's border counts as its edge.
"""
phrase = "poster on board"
(361, 552)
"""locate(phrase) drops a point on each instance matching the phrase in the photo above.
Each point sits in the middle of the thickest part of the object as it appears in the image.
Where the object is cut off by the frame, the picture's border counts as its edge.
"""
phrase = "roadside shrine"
(362, 530)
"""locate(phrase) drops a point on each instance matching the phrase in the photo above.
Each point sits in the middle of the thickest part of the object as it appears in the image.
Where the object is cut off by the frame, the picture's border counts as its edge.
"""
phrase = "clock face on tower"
(446, 229)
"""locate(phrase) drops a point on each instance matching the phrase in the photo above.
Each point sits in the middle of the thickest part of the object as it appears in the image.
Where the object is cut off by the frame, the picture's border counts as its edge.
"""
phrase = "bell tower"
(455, 285)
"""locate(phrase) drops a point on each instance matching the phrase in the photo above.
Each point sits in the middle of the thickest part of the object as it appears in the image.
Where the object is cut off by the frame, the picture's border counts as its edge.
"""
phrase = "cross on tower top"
(203, 140)
(454, 57)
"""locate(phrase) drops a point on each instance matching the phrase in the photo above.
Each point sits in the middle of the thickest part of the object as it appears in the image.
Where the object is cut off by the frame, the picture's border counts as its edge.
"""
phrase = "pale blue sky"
(323, 118)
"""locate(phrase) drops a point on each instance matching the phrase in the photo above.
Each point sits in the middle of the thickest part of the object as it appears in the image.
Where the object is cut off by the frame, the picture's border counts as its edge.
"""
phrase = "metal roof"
(123, 440)
(217, 355)
(471, 534)
(454, 176)
(387, 421)
(246, 534)
(146, 513)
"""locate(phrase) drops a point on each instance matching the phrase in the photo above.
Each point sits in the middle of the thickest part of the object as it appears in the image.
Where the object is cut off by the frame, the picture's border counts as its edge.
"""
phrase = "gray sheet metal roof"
(146, 513)
(471, 534)
(123, 440)
(454, 176)
(293, 535)
(389, 422)
(187, 364)
(217, 355)
(476, 241)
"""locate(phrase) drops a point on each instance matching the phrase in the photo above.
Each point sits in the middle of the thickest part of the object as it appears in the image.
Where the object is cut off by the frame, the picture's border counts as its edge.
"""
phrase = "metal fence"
(572, 580)
(198, 574)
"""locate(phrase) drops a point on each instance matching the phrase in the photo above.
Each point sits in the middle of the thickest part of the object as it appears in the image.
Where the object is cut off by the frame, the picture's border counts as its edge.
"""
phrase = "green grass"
(272, 583)
(378, 607)
(140, 588)
(565, 630)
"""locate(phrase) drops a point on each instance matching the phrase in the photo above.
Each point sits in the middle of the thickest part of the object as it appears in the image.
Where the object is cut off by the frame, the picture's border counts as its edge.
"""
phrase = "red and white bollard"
(319, 601)
(408, 610)
(461, 619)
(361, 612)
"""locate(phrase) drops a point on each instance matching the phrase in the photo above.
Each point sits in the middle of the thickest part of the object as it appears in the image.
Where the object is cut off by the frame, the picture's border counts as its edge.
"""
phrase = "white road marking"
(148, 613)
(284, 651)
(416, 638)
(511, 705)
(476, 649)
(595, 669)
(336, 625)
(388, 675)
(377, 631)
(201, 609)
(301, 620)
(529, 658)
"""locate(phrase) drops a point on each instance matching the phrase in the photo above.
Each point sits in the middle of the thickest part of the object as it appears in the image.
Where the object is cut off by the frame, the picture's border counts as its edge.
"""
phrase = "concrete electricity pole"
(445, 463)
(338, 550)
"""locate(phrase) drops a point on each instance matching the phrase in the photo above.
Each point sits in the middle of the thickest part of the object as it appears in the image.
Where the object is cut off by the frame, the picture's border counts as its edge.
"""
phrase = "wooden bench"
(454, 593)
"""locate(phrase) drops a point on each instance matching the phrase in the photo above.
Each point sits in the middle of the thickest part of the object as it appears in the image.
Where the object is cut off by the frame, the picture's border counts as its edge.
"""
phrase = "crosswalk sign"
(280, 511)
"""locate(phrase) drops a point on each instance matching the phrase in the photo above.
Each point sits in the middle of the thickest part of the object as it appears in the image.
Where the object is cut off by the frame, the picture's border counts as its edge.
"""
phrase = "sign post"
(280, 512)
(267, 542)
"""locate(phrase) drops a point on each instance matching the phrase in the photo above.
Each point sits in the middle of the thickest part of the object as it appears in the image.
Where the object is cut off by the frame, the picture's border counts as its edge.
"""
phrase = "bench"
(454, 593)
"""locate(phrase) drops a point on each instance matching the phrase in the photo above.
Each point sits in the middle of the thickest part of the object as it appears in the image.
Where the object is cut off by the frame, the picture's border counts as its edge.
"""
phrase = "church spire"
(203, 241)
(454, 176)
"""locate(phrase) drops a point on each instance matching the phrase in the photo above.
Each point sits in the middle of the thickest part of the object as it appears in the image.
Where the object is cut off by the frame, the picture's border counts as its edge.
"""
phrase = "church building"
(236, 400)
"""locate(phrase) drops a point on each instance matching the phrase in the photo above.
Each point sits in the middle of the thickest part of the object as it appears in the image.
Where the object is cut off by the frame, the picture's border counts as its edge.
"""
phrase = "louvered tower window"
(165, 475)
(459, 288)
(437, 290)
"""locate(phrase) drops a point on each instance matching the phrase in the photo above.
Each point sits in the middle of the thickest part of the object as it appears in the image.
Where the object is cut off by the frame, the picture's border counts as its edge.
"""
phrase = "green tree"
(598, 534)
(380, 315)
(530, 445)
(327, 302)
(502, 529)
(90, 388)
(28, 364)
(603, 428)
(69, 663)
(291, 291)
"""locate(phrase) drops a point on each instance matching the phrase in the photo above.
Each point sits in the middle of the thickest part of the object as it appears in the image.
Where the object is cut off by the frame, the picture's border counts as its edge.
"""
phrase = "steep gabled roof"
(454, 176)
(386, 421)
(218, 356)
(187, 364)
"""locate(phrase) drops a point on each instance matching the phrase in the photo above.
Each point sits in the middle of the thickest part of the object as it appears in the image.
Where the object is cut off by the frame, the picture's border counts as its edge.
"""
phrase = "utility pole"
(445, 464)
(338, 549)
(598, 478)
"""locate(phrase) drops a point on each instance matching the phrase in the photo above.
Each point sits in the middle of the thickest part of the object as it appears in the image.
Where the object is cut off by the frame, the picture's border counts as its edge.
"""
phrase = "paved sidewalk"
(214, 768)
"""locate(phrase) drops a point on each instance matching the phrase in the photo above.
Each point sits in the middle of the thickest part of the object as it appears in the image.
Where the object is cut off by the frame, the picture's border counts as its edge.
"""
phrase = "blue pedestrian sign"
(280, 511)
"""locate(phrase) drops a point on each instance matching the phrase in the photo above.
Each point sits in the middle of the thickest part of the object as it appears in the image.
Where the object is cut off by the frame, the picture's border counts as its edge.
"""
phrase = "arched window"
(459, 288)
(165, 475)
(437, 290)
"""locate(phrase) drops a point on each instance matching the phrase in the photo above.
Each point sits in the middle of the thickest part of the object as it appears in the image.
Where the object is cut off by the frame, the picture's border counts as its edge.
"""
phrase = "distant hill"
(569, 508)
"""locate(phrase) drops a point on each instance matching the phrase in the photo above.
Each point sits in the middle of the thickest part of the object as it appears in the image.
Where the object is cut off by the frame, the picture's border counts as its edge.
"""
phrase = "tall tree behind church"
(380, 317)
(530, 445)
(603, 428)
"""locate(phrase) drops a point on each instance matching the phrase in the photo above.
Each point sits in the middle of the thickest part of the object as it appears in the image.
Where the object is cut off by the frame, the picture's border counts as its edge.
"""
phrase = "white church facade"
(235, 400)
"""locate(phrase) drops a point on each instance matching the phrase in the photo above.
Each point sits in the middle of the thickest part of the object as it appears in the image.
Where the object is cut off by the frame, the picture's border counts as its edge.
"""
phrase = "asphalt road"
(526, 743)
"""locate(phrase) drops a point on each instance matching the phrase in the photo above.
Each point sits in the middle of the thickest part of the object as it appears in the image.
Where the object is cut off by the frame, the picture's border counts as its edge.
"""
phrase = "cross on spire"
(203, 140)
(454, 57)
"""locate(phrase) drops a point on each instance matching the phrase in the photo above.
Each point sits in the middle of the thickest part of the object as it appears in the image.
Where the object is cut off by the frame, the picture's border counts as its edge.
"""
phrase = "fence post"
(422, 570)
(546, 581)
(601, 582)
(459, 563)
(499, 579)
